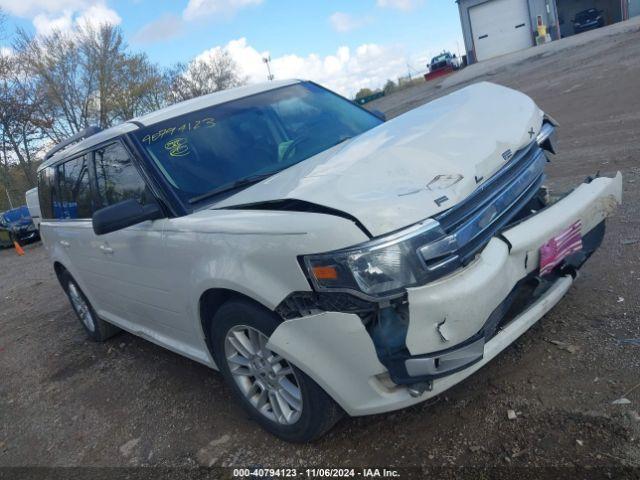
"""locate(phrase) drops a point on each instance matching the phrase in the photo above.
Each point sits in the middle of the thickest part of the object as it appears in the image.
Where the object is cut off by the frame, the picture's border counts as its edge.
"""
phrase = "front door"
(132, 286)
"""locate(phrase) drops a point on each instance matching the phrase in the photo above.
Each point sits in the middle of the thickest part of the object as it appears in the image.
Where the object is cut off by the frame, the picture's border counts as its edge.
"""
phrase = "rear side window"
(117, 177)
(75, 188)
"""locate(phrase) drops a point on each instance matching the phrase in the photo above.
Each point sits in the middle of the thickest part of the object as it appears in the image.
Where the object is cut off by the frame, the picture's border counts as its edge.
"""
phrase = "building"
(496, 27)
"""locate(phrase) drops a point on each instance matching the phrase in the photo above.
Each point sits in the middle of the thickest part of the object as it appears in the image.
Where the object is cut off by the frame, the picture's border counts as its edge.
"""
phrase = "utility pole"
(9, 198)
(267, 62)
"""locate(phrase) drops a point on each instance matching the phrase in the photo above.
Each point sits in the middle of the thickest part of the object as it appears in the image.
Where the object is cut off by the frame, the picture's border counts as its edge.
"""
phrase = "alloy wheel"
(266, 379)
(81, 307)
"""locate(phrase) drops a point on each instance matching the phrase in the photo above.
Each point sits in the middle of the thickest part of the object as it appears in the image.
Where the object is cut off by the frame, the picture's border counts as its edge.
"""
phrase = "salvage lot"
(66, 401)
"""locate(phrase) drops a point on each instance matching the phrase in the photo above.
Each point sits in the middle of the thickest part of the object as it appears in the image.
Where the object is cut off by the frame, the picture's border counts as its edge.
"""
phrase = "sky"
(344, 45)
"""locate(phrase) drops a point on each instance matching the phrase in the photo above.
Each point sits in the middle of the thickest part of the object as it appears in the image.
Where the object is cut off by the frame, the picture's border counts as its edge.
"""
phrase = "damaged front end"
(450, 293)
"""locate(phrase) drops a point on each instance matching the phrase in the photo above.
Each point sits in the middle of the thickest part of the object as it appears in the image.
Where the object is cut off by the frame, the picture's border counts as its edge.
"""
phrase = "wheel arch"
(59, 269)
(210, 302)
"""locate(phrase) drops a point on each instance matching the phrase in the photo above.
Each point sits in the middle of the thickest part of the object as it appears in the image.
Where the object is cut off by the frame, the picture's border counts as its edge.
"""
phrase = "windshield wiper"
(243, 182)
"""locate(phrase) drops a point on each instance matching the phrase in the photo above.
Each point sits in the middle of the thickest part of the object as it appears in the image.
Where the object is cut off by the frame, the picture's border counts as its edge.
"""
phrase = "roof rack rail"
(86, 133)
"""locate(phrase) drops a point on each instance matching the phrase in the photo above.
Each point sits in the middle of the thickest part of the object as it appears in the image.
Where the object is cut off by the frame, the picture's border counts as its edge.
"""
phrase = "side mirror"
(124, 214)
(380, 115)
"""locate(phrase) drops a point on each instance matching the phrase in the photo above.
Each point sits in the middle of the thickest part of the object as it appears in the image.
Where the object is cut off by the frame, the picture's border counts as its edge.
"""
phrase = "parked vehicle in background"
(324, 260)
(444, 61)
(442, 65)
(18, 223)
(588, 20)
(33, 204)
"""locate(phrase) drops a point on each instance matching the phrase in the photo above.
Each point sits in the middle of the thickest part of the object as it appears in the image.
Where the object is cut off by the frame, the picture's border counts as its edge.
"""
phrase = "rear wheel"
(97, 329)
(278, 395)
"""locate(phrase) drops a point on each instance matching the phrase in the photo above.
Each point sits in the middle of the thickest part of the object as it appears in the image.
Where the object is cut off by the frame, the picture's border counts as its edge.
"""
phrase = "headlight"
(379, 268)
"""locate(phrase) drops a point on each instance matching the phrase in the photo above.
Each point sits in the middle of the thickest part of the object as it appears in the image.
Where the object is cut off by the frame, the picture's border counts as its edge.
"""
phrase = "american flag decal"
(560, 247)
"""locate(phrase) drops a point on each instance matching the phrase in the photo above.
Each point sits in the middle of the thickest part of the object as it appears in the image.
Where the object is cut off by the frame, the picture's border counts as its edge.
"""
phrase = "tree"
(19, 123)
(142, 88)
(88, 77)
(56, 85)
(363, 92)
(390, 87)
(218, 71)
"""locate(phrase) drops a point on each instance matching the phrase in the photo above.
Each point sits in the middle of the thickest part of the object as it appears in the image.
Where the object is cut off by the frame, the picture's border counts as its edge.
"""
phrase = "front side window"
(117, 177)
(206, 153)
(75, 189)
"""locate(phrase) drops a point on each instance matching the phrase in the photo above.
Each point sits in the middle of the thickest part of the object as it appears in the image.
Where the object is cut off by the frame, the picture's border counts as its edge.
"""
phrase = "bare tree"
(56, 85)
(142, 88)
(89, 78)
(202, 76)
(20, 126)
(68, 87)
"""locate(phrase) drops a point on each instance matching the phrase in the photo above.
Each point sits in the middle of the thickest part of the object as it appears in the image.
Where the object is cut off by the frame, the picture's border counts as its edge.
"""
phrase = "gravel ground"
(65, 401)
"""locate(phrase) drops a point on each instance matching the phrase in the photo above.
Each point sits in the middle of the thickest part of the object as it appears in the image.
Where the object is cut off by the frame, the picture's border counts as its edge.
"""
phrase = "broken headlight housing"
(380, 268)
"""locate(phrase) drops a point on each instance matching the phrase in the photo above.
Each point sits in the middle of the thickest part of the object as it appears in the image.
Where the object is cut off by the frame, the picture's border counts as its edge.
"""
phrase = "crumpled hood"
(382, 177)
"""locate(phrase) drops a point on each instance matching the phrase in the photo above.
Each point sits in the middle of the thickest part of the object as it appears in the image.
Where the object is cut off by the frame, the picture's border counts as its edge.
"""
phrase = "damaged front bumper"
(456, 324)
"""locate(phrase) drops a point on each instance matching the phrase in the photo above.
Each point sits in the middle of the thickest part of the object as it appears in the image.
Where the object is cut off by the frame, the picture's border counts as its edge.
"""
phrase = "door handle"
(105, 249)
(65, 244)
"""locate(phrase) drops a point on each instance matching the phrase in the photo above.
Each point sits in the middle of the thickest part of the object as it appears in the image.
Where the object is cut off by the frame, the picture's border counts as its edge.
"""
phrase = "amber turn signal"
(325, 273)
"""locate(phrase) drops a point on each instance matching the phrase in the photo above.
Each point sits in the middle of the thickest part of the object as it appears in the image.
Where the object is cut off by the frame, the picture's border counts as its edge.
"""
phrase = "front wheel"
(278, 395)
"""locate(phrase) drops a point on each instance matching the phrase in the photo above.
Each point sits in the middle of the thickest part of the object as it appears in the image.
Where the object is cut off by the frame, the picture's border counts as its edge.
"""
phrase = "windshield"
(440, 58)
(218, 149)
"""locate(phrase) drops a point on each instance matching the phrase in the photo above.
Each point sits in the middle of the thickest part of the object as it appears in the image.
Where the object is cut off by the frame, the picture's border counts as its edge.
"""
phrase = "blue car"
(16, 224)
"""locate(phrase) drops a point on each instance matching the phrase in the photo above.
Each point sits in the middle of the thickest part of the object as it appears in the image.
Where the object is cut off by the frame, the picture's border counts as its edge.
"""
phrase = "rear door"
(68, 220)
(500, 27)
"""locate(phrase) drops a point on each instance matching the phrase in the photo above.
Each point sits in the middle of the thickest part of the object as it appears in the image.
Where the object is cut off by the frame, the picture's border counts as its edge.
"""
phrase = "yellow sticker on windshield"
(178, 147)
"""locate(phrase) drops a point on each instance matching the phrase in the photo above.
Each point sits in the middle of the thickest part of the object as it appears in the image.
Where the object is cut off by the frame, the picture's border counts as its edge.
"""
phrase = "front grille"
(473, 222)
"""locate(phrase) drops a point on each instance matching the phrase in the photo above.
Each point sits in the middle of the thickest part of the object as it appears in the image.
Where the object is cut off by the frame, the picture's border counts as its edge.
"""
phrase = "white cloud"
(197, 9)
(63, 15)
(96, 15)
(346, 71)
(343, 22)
(31, 8)
(92, 16)
(44, 24)
(164, 28)
(404, 5)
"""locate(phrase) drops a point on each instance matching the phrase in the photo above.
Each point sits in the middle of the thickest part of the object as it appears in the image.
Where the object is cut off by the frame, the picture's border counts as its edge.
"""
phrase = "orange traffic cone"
(18, 248)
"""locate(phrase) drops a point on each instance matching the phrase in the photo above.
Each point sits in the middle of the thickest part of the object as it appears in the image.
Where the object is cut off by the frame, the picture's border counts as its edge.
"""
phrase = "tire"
(317, 411)
(97, 329)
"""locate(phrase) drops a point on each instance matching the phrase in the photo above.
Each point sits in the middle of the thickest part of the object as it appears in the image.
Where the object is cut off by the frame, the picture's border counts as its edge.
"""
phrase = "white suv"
(324, 260)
